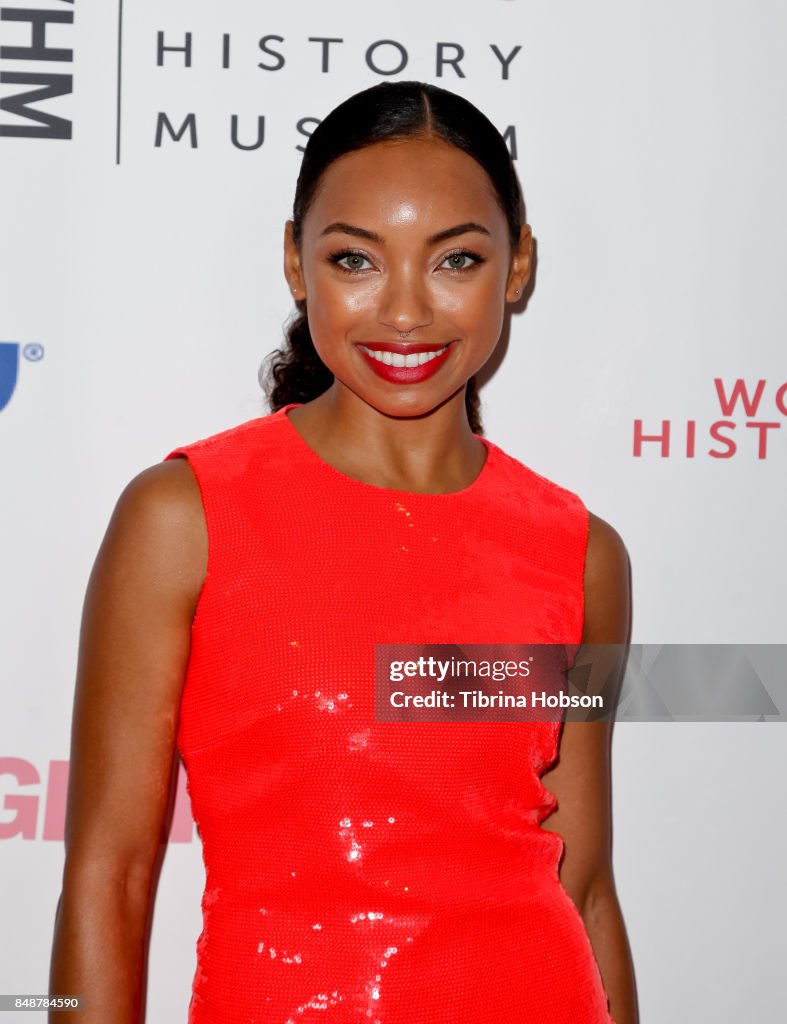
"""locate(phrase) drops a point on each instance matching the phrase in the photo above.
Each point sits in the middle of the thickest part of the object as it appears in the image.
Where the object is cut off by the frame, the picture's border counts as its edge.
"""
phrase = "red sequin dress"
(361, 871)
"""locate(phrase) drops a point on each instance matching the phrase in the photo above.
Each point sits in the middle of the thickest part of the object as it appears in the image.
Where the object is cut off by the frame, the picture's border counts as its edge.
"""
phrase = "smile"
(399, 359)
(405, 364)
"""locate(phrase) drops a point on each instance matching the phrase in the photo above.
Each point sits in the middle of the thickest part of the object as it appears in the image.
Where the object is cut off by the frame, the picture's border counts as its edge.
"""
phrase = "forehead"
(412, 180)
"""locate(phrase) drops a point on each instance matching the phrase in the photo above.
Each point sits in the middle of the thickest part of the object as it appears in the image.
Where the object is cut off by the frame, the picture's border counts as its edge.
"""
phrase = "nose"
(405, 303)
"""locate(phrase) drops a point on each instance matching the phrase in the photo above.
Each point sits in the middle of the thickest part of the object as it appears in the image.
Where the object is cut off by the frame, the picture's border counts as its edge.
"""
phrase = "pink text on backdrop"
(22, 798)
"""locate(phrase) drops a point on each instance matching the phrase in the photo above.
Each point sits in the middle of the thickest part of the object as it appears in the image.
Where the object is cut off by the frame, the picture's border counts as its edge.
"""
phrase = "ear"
(519, 274)
(292, 264)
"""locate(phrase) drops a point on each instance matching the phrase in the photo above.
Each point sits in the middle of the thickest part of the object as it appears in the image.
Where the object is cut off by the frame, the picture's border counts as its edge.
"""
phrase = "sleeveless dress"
(362, 871)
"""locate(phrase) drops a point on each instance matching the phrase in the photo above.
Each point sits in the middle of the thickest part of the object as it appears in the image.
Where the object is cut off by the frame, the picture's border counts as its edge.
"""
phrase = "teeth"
(398, 359)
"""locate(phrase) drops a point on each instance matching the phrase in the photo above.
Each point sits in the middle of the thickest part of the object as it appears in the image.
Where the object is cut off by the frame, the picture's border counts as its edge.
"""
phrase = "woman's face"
(405, 252)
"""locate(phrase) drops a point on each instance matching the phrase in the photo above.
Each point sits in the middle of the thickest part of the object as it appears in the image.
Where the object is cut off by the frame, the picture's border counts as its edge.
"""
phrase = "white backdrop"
(140, 288)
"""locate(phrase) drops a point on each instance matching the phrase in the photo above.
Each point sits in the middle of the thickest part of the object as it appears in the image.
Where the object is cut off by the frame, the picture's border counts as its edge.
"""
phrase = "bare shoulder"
(166, 490)
(158, 524)
(606, 584)
(605, 545)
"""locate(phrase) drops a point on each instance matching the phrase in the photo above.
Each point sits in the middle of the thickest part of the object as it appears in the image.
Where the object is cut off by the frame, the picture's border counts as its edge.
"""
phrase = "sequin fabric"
(364, 872)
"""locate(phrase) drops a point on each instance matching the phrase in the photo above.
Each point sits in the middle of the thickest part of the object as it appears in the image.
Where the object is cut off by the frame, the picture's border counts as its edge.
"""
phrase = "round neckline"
(326, 466)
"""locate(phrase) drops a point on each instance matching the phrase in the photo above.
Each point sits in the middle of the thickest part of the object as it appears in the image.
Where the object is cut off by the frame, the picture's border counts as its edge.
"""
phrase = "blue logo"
(9, 366)
(9, 369)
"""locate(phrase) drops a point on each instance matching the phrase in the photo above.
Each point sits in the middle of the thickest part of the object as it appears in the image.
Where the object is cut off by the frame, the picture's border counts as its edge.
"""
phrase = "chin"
(410, 406)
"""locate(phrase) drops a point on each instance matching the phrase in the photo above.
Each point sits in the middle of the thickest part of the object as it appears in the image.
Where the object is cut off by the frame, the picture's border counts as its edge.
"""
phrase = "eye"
(349, 260)
(462, 259)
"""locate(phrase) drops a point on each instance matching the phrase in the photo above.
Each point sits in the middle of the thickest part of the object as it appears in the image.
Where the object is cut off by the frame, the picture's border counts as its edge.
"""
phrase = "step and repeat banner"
(148, 156)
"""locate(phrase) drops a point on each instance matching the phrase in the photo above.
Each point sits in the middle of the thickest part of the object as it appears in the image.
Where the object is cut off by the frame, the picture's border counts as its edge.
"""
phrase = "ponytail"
(295, 373)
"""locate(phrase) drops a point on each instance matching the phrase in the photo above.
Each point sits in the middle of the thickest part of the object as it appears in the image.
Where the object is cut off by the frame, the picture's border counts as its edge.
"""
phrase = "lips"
(401, 363)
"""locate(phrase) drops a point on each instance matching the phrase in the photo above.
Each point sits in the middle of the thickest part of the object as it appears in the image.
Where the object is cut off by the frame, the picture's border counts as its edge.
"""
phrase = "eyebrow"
(341, 228)
(460, 229)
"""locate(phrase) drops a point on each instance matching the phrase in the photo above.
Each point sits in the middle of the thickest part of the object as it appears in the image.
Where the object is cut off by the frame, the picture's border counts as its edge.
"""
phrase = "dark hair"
(388, 111)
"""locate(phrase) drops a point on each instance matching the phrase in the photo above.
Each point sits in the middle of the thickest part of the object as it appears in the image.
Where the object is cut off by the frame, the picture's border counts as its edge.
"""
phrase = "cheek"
(338, 300)
(486, 317)
(478, 306)
(335, 312)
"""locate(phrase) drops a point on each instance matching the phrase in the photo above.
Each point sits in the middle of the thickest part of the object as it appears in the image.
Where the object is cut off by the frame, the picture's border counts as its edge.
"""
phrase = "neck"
(433, 453)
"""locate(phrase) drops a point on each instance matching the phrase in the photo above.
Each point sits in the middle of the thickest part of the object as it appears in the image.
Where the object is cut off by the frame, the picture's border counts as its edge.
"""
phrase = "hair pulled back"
(385, 112)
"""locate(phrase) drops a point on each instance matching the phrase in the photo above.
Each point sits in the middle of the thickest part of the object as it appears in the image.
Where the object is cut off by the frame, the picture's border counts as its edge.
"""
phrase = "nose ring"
(405, 334)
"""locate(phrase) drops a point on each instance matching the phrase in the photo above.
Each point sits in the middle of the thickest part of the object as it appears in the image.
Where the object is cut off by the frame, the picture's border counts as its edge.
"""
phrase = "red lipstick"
(404, 374)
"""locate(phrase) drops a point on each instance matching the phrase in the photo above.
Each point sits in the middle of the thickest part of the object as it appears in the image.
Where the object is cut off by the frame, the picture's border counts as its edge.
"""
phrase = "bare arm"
(133, 653)
(581, 783)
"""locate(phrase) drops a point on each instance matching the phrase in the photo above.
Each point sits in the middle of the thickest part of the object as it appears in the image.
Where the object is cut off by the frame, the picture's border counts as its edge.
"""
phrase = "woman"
(356, 869)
